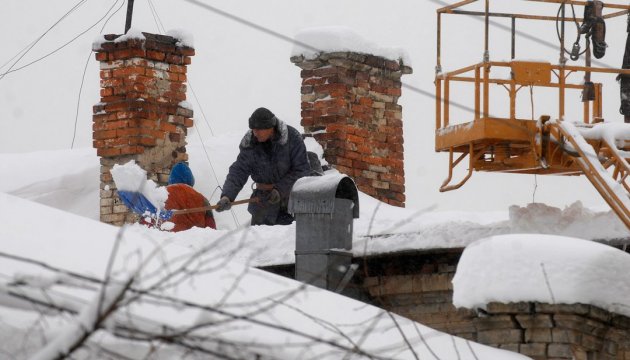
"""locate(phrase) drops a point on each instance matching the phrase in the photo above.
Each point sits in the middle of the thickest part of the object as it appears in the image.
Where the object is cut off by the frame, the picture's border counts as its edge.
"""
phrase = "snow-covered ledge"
(552, 296)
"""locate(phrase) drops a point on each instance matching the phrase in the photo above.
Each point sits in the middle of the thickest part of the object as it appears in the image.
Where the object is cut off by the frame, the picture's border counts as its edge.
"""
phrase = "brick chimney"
(142, 114)
(350, 106)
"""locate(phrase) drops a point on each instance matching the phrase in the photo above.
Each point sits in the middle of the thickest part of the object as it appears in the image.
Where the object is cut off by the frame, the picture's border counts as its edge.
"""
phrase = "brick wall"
(541, 331)
(141, 115)
(350, 106)
(426, 297)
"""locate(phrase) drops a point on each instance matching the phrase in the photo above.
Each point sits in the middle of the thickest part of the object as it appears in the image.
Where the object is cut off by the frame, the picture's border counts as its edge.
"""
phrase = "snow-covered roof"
(206, 293)
(69, 180)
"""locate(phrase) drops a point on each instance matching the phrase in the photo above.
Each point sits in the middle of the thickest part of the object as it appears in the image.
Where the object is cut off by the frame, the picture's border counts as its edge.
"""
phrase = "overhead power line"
(87, 61)
(76, 6)
(417, 90)
(64, 45)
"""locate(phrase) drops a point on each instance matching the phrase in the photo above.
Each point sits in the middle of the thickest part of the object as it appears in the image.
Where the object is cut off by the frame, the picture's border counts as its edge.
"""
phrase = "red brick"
(127, 132)
(131, 150)
(353, 155)
(126, 54)
(373, 160)
(155, 55)
(104, 134)
(177, 69)
(128, 71)
(106, 74)
(393, 92)
(101, 56)
(185, 50)
(109, 125)
(111, 83)
(360, 165)
(107, 92)
(178, 87)
(168, 127)
(174, 59)
(311, 113)
(355, 139)
(147, 141)
(107, 153)
(325, 72)
(314, 81)
(397, 188)
(364, 149)
(329, 119)
(152, 133)
(344, 169)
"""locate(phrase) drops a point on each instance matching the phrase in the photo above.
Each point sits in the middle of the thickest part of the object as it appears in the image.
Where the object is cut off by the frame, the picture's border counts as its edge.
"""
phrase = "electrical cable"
(156, 18)
(62, 46)
(87, 61)
(76, 6)
(16, 55)
(575, 53)
(159, 23)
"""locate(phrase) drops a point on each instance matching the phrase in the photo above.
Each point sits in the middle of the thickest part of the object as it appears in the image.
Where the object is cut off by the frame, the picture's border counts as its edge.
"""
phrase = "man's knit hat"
(262, 118)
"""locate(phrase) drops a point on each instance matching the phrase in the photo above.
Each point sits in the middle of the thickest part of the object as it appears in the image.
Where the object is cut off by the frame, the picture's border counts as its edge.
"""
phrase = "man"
(274, 155)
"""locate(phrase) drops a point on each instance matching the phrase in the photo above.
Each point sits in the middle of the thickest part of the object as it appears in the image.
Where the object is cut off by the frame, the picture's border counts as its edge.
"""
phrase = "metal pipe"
(129, 15)
(563, 59)
(581, 3)
(438, 66)
(446, 102)
(454, 6)
(513, 37)
(508, 15)
(486, 53)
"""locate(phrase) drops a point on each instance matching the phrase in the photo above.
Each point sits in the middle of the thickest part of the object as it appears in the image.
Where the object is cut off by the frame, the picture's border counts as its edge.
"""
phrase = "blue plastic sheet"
(139, 204)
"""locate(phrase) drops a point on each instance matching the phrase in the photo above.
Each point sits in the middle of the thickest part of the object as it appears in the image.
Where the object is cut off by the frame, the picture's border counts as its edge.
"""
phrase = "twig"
(553, 299)
(402, 333)
(75, 334)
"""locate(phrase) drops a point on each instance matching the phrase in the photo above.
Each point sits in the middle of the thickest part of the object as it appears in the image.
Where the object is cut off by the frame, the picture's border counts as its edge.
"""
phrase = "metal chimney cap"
(317, 194)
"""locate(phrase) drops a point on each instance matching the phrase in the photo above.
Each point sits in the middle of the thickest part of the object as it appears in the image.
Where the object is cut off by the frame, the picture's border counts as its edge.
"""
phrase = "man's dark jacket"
(280, 161)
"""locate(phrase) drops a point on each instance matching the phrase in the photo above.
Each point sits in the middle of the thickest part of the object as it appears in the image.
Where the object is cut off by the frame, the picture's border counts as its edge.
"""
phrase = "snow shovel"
(140, 205)
(210, 207)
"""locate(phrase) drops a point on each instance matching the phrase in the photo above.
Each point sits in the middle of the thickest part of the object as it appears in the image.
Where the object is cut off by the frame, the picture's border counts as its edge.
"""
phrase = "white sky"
(238, 68)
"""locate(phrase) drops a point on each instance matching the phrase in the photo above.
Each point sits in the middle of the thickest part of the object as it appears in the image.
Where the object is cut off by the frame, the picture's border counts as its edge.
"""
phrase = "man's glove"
(274, 197)
(224, 204)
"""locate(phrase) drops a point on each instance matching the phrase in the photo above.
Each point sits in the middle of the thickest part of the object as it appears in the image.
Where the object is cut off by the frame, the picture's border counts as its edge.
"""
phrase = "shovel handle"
(212, 207)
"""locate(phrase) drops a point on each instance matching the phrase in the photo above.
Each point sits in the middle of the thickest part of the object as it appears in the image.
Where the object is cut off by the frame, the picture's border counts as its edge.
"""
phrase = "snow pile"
(133, 33)
(185, 37)
(313, 41)
(574, 220)
(313, 146)
(591, 158)
(131, 177)
(613, 132)
(64, 179)
(543, 268)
